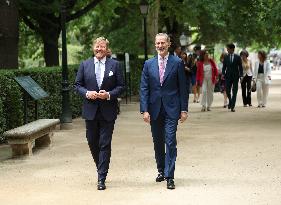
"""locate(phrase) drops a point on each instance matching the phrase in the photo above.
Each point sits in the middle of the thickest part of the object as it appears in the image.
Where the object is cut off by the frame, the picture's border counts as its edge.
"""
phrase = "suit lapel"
(155, 68)
(108, 66)
(168, 67)
(92, 72)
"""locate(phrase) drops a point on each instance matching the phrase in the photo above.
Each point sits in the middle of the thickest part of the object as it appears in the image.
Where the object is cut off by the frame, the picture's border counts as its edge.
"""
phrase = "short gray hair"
(164, 35)
(99, 39)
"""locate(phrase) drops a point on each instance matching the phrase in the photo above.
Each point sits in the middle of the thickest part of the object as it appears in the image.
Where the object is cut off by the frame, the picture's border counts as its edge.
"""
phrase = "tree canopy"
(247, 23)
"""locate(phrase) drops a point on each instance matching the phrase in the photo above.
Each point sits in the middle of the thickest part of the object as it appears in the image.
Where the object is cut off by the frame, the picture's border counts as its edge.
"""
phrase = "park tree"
(208, 22)
(9, 34)
(43, 16)
(118, 20)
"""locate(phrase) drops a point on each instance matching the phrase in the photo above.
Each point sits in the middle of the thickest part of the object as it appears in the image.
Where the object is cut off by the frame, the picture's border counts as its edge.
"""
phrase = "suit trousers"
(262, 90)
(231, 85)
(207, 92)
(99, 136)
(246, 92)
(164, 133)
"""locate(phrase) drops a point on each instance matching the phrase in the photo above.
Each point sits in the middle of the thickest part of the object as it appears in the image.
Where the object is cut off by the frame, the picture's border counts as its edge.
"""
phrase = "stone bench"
(21, 139)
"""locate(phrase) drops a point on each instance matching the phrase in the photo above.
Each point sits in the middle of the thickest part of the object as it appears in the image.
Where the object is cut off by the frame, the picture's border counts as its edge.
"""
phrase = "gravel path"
(223, 158)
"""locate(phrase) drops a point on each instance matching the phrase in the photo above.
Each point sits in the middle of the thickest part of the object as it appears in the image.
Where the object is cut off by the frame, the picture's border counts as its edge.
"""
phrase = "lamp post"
(183, 41)
(144, 11)
(66, 116)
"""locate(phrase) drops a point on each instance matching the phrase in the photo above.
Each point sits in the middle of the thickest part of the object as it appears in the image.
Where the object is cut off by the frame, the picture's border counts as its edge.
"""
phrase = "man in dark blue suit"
(232, 71)
(100, 81)
(163, 101)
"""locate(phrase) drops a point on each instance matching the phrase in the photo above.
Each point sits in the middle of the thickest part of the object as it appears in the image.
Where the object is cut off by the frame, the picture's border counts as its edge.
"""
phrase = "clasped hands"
(102, 94)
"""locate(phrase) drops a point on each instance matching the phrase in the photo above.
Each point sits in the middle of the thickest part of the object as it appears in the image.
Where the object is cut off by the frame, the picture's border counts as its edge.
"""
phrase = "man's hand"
(146, 117)
(103, 95)
(183, 116)
(92, 95)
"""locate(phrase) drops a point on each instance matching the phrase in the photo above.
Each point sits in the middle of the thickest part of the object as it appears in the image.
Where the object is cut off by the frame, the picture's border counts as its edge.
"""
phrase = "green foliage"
(119, 21)
(30, 47)
(12, 109)
(12, 100)
(136, 66)
(251, 22)
(2, 121)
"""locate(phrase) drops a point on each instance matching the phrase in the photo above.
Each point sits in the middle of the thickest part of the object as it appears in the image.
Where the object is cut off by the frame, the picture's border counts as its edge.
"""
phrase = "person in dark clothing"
(247, 78)
(232, 71)
(187, 70)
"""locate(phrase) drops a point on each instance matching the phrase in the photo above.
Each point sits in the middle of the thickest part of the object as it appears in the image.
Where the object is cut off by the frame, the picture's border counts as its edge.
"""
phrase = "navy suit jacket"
(232, 70)
(113, 82)
(173, 92)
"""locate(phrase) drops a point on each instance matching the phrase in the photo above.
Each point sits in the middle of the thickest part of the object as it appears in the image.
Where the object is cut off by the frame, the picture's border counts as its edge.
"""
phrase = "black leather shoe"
(160, 177)
(232, 110)
(101, 185)
(170, 184)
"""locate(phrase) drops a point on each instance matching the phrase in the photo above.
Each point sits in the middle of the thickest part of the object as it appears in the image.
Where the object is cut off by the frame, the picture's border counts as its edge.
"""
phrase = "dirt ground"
(223, 158)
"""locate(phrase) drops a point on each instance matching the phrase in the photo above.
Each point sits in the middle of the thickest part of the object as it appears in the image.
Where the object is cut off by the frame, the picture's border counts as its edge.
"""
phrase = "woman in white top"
(247, 78)
(262, 76)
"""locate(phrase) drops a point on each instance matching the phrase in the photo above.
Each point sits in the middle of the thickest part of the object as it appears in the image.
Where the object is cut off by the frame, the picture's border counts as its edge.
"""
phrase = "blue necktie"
(98, 74)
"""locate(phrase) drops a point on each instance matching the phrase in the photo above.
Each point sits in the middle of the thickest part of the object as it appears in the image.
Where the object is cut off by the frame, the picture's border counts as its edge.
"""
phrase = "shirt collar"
(102, 60)
(165, 58)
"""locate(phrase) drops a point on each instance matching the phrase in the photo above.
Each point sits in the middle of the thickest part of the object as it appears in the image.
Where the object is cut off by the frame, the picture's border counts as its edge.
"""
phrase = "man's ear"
(169, 44)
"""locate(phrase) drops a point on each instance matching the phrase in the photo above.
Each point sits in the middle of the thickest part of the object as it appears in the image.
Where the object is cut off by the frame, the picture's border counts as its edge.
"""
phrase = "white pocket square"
(110, 73)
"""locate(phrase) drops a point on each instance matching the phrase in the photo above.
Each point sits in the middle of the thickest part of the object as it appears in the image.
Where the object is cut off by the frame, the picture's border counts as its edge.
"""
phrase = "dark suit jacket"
(113, 83)
(173, 92)
(232, 70)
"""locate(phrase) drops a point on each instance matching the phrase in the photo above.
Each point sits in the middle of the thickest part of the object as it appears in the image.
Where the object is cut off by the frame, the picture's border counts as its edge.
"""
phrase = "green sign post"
(32, 89)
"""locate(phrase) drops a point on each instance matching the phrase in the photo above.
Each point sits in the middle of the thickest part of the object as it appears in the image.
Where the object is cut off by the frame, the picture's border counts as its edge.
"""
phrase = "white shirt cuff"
(87, 95)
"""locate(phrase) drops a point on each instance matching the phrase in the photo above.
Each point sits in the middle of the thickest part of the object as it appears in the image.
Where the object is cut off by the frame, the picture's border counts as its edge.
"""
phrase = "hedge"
(49, 78)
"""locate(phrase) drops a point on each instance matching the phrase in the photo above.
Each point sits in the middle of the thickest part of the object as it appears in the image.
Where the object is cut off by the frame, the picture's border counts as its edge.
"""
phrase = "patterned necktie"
(161, 70)
(98, 74)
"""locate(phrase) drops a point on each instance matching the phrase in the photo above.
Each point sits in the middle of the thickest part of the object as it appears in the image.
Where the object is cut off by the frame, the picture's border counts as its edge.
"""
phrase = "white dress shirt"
(102, 69)
(231, 57)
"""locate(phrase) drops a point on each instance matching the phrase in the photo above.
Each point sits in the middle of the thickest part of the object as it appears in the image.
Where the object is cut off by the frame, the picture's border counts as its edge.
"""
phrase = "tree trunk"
(9, 34)
(51, 51)
(153, 17)
(50, 36)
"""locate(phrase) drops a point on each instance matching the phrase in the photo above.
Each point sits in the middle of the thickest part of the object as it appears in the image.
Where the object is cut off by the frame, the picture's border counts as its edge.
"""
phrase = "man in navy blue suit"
(100, 81)
(232, 71)
(163, 101)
